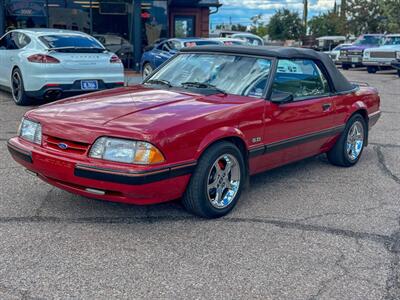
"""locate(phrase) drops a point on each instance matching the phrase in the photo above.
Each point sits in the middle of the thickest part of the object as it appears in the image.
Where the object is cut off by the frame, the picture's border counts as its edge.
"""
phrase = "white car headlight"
(398, 55)
(367, 54)
(126, 151)
(30, 131)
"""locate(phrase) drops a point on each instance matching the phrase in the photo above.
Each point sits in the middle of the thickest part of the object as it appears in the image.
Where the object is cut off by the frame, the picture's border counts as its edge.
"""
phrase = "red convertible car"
(198, 127)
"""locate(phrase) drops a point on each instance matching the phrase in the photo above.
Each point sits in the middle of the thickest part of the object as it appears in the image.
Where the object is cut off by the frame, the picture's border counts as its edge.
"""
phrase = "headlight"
(398, 55)
(343, 52)
(30, 131)
(367, 54)
(126, 151)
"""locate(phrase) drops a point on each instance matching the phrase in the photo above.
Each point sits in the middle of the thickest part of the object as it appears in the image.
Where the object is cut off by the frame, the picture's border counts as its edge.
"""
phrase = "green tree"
(365, 16)
(285, 25)
(239, 27)
(327, 24)
(391, 15)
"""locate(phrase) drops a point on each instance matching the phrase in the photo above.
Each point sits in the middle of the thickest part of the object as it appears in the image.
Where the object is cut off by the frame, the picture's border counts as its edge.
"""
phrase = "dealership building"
(123, 26)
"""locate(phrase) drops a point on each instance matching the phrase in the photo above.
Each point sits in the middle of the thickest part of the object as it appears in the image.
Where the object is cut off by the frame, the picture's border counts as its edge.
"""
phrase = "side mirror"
(281, 97)
(173, 52)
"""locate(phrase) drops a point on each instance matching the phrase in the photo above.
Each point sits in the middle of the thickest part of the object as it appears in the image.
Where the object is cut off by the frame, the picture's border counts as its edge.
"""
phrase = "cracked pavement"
(304, 231)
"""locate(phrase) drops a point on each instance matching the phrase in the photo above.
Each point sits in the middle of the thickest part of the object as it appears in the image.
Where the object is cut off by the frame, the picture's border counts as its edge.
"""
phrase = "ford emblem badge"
(63, 146)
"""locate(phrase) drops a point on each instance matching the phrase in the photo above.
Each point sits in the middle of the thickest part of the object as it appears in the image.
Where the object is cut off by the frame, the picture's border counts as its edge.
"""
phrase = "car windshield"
(233, 74)
(197, 43)
(392, 40)
(368, 40)
(70, 41)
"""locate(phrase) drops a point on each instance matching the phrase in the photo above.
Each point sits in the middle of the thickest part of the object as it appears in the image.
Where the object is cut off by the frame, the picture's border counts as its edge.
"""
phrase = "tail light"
(115, 59)
(43, 59)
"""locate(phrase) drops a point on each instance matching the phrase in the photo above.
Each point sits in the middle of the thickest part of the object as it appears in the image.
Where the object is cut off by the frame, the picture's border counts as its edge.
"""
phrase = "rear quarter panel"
(365, 100)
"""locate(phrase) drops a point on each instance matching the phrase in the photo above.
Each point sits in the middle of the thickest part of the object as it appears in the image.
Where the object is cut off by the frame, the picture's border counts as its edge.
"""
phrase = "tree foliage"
(285, 25)
(365, 16)
(391, 15)
(329, 23)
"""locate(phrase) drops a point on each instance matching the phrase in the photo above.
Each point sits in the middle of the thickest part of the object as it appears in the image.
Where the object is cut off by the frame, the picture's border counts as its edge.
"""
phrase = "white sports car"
(46, 63)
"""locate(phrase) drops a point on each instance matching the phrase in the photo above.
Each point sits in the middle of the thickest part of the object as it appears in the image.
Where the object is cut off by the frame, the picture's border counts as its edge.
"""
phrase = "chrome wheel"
(16, 86)
(147, 70)
(223, 181)
(355, 141)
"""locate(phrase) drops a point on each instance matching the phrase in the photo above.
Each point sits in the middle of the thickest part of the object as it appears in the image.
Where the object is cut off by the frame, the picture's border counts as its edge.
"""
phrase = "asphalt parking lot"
(304, 231)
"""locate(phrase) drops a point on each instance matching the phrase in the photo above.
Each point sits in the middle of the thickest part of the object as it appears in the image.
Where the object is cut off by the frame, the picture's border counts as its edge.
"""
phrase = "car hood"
(386, 48)
(131, 110)
(360, 47)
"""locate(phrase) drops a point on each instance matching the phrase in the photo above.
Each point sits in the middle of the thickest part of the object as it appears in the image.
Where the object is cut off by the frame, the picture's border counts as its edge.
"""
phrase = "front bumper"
(104, 180)
(70, 89)
(351, 60)
(377, 63)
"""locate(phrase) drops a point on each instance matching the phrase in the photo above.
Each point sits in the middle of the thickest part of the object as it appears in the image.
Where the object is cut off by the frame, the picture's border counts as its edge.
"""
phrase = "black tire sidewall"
(352, 120)
(22, 100)
(203, 170)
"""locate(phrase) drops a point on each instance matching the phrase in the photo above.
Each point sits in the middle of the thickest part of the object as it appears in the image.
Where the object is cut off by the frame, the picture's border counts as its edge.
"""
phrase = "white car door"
(9, 55)
(3, 48)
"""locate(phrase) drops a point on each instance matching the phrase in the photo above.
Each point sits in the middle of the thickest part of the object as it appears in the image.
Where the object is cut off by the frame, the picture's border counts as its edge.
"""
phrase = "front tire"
(217, 183)
(372, 70)
(147, 70)
(349, 147)
(18, 90)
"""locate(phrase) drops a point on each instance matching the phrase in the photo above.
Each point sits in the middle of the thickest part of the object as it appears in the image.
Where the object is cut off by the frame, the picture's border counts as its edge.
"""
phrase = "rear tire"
(216, 185)
(372, 70)
(350, 145)
(18, 90)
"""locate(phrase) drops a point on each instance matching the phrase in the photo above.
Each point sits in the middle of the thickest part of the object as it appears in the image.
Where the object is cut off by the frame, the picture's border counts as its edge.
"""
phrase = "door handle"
(326, 106)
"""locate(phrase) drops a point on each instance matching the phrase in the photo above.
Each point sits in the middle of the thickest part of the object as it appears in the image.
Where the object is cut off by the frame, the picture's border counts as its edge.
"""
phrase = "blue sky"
(242, 10)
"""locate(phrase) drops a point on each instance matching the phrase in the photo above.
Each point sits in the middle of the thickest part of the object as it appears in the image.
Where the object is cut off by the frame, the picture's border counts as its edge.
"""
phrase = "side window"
(7, 42)
(20, 39)
(300, 77)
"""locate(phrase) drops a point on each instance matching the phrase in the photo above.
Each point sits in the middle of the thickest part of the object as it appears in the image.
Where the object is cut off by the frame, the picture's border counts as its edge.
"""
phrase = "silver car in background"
(47, 63)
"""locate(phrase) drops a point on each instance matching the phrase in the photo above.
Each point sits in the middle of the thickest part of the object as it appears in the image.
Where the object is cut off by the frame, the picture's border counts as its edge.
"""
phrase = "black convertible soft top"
(340, 83)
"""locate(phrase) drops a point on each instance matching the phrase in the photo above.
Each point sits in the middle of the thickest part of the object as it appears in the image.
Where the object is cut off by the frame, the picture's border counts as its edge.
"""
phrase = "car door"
(299, 117)
(3, 53)
(9, 57)
(162, 53)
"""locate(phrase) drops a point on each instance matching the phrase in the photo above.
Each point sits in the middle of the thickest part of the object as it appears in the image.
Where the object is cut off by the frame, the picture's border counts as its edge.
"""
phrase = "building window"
(154, 21)
(70, 14)
(25, 14)
(184, 26)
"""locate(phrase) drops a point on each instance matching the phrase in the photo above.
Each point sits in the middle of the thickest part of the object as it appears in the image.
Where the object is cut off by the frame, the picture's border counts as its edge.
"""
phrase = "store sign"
(27, 9)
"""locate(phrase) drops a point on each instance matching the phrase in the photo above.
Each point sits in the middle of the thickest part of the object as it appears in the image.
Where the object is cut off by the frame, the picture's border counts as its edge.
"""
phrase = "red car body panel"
(182, 125)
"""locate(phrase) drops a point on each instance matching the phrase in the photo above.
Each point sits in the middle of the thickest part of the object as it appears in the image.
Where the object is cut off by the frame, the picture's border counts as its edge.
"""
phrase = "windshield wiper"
(159, 81)
(203, 85)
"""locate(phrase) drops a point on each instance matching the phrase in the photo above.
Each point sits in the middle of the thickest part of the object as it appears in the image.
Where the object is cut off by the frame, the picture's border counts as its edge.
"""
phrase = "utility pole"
(343, 9)
(305, 14)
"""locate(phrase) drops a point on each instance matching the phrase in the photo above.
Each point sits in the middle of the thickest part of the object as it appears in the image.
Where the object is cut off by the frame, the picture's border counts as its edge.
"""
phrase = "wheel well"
(364, 114)
(238, 142)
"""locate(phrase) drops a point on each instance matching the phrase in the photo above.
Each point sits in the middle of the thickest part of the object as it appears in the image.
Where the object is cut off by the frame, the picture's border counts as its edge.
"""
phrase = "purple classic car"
(351, 56)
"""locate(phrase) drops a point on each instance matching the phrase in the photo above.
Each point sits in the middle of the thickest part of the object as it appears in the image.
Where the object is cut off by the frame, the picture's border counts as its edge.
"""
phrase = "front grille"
(380, 54)
(62, 145)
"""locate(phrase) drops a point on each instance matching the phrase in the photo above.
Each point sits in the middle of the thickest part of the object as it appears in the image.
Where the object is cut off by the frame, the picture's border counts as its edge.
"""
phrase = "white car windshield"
(392, 40)
(233, 74)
